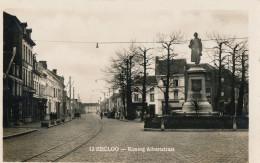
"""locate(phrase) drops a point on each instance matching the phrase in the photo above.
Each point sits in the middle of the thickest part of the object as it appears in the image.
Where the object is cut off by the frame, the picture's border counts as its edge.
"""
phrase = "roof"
(21, 26)
(149, 80)
(177, 66)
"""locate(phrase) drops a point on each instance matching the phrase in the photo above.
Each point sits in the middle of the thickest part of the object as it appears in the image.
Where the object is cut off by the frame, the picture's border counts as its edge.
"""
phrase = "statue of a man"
(196, 49)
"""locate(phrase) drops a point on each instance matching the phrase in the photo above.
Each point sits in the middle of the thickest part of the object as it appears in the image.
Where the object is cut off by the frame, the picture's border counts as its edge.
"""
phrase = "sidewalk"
(23, 129)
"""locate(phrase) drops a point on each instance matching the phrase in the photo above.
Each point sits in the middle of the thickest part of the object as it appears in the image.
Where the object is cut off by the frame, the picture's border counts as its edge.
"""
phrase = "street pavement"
(110, 140)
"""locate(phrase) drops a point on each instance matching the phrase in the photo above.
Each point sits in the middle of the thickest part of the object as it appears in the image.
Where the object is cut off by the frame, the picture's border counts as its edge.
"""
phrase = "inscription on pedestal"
(196, 85)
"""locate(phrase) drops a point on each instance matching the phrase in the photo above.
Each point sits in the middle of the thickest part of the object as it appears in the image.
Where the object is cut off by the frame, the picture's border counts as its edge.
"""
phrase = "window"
(176, 83)
(208, 77)
(29, 56)
(23, 76)
(17, 88)
(17, 71)
(29, 77)
(152, 97)
(222, 79)
(208, 92)
(13, 87)
(20, 89)
(136, 97)
(23, 51)
(26, 54)
(222, 92)
(175, 94)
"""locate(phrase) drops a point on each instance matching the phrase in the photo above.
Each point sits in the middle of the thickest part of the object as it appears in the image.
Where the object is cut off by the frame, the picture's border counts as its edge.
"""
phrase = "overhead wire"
(122, 42)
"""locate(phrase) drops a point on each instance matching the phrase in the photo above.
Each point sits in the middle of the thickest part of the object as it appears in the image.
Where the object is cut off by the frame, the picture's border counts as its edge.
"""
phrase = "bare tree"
(167, 42)
(220, 40)
(120, 73)
(145, 58)
(234, 48)
(116, 75)
(243, 59)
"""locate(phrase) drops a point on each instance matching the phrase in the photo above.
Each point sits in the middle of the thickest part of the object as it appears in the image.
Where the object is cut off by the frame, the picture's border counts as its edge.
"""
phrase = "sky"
(117, 21)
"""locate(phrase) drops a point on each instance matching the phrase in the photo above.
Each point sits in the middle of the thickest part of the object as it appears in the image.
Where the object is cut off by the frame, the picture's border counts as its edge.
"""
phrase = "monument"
(196, 102)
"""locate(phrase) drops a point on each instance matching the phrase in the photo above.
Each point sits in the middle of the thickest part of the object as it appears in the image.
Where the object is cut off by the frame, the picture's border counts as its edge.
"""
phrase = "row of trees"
(134, 63)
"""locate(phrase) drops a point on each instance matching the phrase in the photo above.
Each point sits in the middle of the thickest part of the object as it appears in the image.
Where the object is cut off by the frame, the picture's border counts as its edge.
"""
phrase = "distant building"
(91, 107)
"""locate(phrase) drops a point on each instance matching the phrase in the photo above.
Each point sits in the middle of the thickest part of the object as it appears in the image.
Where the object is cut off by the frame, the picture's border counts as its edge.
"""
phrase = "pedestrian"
(101, 115)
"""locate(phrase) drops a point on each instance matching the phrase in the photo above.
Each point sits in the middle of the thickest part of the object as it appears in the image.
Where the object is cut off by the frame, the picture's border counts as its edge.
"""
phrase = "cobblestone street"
(87, 136)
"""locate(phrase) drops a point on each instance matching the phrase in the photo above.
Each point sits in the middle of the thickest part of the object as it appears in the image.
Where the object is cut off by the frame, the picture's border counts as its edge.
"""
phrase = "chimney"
(29, 31)
(44, 64)
(55, 71)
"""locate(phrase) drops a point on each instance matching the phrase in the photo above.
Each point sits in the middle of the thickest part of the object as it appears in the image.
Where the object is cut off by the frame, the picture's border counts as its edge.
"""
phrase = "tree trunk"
(127, 90)
(167, 82)
(219, 79)
(233, 85)
(241, 89)
(144, 89)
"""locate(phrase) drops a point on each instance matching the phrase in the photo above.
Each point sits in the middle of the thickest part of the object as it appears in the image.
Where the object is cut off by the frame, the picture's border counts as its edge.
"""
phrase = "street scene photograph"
(128, 81)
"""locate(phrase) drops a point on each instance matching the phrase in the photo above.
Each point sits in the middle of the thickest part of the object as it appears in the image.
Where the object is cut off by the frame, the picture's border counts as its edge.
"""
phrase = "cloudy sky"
(117, 21)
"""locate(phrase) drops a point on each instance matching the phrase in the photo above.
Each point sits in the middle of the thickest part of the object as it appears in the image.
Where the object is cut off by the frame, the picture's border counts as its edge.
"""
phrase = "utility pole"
(73, 104)
(78, 101)
(70, 97)
(109, 100)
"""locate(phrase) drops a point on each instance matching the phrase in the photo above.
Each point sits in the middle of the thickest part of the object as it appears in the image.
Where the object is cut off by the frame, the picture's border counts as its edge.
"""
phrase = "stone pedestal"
(197, 92)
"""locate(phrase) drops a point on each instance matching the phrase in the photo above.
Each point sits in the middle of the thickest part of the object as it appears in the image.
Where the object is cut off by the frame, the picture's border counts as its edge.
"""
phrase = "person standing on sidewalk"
(101, 115)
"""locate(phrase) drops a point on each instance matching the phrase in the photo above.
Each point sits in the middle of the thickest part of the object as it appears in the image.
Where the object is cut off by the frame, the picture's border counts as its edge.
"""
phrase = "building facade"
(12, 69)
(18, 71)
(52, 90)
(176, 87)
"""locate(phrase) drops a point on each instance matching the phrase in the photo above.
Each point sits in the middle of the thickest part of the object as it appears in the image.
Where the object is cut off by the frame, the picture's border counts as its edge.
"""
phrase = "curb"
(125, 120)
(19, 134)
(58, 124)
(196, 130)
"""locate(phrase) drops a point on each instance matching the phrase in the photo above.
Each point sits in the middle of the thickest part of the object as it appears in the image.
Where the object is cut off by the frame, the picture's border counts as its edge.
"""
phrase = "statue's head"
(195, 34)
